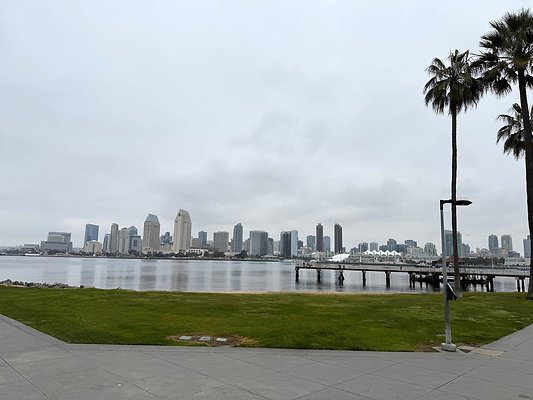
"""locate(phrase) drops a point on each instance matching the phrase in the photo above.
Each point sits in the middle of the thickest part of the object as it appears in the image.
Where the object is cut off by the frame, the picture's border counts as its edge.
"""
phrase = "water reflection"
(194, 275)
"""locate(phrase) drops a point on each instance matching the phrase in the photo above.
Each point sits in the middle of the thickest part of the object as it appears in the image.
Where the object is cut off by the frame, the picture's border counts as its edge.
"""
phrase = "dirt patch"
(201, 339)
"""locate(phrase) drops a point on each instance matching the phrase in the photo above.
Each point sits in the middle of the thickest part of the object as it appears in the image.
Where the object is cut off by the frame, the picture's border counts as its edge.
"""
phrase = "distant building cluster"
(128, 241)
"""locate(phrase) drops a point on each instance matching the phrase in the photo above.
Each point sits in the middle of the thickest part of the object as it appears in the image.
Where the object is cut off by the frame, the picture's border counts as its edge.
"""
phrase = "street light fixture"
(447, 345)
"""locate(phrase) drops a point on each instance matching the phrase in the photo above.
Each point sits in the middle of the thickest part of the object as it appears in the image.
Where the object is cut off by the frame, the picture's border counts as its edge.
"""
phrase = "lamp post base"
(448, 347)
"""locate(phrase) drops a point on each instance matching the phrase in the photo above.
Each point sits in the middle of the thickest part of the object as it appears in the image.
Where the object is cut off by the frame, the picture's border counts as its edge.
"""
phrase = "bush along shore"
(56, 285)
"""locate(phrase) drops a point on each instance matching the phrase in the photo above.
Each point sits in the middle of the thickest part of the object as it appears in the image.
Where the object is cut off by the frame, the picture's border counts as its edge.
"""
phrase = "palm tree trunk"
(457, 277)
(529, 168)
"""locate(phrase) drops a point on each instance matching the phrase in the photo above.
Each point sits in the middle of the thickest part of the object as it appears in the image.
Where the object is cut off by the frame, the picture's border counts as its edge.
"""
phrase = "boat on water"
(32, 254)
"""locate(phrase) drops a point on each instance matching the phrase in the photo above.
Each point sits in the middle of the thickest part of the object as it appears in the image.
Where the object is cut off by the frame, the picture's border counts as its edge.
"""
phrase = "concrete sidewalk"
(36, 366)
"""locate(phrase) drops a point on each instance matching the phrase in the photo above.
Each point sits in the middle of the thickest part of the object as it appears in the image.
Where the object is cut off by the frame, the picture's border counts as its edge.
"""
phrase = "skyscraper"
(319, 238)
(507, 242)
(220, 241)
(294, 243)
(113, 239)
(373, 246)
(202, 236)
(236, 243)
(362, 247)
(151, 234)
(527, 247)
(182, 231)
(258, 243)
(410, 243)
(493, 243)
(91, 233)
(448, 241)
(391, 244)
(105, 245)
(327, 243)
(338, 238)
(311, 240)
(285, 244)
(430, 249)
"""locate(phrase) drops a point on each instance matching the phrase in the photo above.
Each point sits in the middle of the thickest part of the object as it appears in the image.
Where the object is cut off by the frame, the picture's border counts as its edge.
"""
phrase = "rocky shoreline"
(9, 282)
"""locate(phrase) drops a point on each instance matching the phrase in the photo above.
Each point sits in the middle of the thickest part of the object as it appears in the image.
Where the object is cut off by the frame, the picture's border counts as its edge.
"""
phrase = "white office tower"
(182, 231)
(151, 233)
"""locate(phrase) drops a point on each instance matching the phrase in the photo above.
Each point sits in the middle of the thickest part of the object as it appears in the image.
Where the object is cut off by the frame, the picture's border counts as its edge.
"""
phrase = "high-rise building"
(527, 247)
(319, 237)
(285, 244)
(410, 243)
(311, 242)
(327, 244)
(113, 239)
(294, 243)
(258, 243)
(165, 239)
(105, 245)
(391, 245)
(220, 241)
(337, 230)
(466, 250)
(182, 232)
(91, 233)
(125, 236)
(448, 241)
(203, 238)
(507, 242)
(430, 249)
(362, 247)
(151, 240)
(270, 246)
(493, 243)
(236, 242)
(373, 246)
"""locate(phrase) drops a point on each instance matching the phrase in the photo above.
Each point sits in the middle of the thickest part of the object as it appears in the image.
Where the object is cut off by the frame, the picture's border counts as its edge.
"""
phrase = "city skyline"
(288, 129)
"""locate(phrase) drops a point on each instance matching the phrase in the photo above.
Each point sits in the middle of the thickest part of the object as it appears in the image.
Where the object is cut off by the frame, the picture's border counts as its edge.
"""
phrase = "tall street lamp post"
(447, 345)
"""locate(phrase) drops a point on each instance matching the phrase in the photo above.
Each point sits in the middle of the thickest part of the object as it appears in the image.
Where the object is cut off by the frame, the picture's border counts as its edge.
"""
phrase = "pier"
(470, 274)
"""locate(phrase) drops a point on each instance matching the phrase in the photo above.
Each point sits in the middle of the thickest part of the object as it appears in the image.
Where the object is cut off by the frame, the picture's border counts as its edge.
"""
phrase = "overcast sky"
(275, 114)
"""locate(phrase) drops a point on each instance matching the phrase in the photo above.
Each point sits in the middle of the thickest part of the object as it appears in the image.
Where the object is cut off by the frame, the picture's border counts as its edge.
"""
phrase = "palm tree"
(453, 88)
(508, 59)
(512, 133)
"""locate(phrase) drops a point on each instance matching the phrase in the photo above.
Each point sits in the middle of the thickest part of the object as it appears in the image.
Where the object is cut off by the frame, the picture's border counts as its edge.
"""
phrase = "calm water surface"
(201, 276)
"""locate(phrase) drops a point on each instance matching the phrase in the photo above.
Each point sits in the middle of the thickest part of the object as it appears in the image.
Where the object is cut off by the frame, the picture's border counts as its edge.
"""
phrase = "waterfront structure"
(507, 243)
(448, 240)
(373, 246)
(220, 241)
(151, 240)
(92, 247)
(493, 243)
(258, 243)
(182, 231)
(327, 244)
(236, 241)
(113, 239)
(202, 236)
(319, 238)
(91, 233)
(57, 241)
(527, 247)
(311, 242)
(391, 244)
(337, 230)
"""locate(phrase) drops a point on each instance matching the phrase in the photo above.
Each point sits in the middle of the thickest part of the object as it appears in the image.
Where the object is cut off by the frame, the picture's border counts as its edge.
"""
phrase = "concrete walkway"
(37, 366)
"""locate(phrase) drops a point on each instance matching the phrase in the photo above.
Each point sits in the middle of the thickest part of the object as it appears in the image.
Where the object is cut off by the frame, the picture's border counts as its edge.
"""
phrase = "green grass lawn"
(395, 322)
